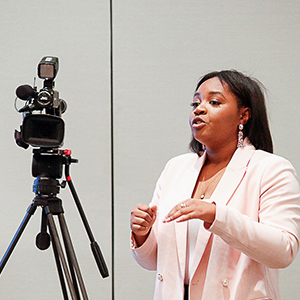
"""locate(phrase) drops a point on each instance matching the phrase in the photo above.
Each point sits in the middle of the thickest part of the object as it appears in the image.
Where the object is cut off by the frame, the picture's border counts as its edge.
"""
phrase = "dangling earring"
(241, 136)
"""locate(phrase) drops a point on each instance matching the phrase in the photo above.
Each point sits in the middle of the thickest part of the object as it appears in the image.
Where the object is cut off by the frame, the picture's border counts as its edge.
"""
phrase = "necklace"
(206, 187)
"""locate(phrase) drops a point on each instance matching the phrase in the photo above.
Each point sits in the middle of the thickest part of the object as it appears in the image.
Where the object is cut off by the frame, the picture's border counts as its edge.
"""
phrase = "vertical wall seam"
(112, 158)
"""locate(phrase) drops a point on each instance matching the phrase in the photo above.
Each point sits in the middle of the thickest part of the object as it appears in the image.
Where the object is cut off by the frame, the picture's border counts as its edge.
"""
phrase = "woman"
(225, 218)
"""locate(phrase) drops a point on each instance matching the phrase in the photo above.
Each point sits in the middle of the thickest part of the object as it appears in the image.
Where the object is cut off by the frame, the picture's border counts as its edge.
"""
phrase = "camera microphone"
(25, 91)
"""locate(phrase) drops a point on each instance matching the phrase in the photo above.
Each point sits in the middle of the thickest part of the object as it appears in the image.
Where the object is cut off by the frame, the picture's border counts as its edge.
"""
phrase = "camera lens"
(44, 98)
(43, 130)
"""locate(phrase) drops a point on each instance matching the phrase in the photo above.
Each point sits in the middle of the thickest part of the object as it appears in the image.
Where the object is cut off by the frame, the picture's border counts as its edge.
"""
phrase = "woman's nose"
(200, 109)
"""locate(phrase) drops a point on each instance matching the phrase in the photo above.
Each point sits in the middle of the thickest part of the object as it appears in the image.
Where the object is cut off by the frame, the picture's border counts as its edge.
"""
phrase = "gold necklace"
(209, 182)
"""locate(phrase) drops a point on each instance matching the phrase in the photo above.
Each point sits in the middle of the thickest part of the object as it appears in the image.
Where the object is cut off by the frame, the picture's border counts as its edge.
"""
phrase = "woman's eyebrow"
(216, 93)
(210, 93)
(196, 95)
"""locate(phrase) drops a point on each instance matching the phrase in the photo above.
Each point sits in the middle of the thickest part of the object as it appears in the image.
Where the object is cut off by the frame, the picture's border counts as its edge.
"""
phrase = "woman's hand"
(192, 209)
(142, 219)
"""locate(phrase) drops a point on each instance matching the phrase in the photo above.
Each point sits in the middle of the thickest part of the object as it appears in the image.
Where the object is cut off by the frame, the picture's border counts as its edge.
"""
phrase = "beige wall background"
(160, 49)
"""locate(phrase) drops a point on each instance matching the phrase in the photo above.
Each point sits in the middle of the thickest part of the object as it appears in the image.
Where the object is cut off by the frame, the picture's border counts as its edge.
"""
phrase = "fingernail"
(167, 219)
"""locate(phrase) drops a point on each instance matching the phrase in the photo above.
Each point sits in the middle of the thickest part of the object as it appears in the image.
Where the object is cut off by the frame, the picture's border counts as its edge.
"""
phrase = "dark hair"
(249, 93)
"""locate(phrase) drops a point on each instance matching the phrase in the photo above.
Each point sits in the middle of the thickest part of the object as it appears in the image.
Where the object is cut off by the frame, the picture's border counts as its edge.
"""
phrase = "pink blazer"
(255, 233)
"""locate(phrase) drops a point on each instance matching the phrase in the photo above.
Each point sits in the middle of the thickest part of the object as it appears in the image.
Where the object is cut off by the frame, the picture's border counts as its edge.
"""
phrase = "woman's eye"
(214, 102)
(195, 104)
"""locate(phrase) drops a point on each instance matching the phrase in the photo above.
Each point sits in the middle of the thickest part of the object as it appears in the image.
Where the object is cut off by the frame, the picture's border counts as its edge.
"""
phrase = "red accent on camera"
(68, 152)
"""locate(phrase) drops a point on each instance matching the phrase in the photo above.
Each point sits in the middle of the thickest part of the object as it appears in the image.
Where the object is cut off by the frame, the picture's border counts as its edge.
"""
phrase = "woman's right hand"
(142, 219)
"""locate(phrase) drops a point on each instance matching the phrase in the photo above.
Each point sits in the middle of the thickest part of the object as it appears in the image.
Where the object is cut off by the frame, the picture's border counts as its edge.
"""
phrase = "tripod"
(46, 167)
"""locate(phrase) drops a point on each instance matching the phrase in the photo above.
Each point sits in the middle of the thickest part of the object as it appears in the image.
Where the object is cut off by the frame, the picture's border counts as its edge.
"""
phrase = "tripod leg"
(60, 253)
(71, 253)
(71, 267)
(60, 271)
(29, 214)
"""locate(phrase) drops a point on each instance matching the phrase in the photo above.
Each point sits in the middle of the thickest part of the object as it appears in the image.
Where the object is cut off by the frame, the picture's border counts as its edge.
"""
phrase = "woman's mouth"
(197, 122)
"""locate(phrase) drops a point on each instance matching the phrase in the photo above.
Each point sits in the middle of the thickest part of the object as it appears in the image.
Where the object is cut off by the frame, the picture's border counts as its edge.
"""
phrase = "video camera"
(42, 123)
(43, 127)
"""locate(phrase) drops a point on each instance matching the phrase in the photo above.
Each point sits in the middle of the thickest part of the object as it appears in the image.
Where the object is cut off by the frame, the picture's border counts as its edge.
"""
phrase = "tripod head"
(47, 167)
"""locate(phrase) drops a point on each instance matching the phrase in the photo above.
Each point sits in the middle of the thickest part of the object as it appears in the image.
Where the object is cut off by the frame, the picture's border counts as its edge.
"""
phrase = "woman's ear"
(245, 115)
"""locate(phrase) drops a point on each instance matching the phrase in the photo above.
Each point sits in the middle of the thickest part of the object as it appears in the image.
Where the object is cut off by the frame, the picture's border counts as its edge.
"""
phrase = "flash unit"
(48, 67)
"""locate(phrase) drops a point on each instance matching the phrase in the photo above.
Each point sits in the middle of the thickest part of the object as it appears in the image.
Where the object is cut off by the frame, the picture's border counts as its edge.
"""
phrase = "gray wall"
(160, 49)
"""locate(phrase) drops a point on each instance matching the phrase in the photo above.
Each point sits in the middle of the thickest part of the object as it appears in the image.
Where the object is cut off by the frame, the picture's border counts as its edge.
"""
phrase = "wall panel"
(78, 33)
(160, 51)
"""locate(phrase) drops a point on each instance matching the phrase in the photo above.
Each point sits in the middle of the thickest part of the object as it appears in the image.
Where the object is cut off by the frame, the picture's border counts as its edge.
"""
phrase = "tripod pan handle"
(99, 259)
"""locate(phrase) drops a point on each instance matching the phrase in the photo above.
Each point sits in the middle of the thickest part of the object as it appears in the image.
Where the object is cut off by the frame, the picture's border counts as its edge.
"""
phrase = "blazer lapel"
(227, 186)
(233, 176)
(188, 182)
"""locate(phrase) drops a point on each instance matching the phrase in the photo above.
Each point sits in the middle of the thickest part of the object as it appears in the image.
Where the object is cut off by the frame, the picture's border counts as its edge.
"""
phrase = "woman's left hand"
(192, 209)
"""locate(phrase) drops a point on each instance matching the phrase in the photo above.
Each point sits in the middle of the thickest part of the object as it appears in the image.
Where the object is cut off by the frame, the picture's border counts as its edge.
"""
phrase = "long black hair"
(249, 93)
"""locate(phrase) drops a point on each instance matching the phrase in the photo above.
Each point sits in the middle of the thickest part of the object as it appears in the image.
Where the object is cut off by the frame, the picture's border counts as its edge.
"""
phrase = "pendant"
(202, 196)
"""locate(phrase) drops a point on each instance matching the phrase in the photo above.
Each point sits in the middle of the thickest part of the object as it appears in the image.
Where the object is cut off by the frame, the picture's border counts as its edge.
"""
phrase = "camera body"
(42, 123)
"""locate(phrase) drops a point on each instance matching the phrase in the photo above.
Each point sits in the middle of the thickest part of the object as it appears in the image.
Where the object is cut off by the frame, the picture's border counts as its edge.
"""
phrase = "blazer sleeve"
(146, 254)
(273, 239)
